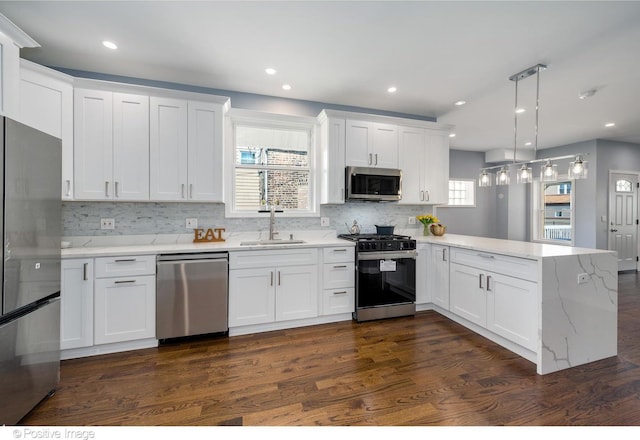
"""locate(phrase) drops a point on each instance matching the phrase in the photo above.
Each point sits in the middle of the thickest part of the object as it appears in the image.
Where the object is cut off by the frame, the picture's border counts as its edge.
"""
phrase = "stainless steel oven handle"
(387, 255)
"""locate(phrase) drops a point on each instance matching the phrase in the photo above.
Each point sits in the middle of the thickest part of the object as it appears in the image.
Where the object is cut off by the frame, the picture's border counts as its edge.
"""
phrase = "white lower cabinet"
(438, 271)
(338, 278)
(269, 286)
(76, 303)
(503, 304)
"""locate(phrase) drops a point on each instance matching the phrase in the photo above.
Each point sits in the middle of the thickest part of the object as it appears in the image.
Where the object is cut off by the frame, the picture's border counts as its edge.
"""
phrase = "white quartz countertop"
(88, 247)
(522, 249)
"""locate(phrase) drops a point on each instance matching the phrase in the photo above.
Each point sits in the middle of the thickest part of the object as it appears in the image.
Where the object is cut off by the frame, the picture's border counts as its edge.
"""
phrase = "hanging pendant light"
(524, 174)
(484, 180)
(549, 172)
(578, 168)
(503, 177)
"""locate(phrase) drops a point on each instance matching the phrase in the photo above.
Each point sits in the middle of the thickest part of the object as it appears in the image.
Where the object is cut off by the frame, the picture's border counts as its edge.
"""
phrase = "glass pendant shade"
(503, 177)
(524, 174)
(549, 172)
(578, 169)
(484, 180)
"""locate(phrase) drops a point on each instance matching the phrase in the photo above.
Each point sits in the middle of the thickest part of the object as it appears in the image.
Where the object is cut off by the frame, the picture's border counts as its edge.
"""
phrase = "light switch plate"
(192, 223)
(412, 220)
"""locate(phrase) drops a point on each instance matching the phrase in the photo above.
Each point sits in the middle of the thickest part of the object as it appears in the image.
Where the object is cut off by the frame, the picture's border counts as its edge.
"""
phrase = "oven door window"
(386, 282)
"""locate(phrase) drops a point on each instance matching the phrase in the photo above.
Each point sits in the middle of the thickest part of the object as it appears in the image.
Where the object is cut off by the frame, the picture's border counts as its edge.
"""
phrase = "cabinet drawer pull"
(486, 256)
(481, 281)
(342, 292)
(68, 188)
(85, 268)
(340, 250)
(106, 189)
(127, 260)
(125, 282)
(489, 283)
(343, 266)
(444, 254)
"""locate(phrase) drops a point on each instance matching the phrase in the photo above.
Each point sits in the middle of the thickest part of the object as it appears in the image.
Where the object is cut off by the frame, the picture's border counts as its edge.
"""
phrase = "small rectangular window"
(553, 203)
(462, 193)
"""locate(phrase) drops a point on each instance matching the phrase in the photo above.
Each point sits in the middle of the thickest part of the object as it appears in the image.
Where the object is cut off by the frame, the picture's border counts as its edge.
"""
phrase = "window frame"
(235, 117)
(537, 202)
(471, 184)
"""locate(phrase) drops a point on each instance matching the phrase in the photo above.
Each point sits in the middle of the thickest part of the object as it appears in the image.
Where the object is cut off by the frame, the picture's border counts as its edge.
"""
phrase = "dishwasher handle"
(195, 256)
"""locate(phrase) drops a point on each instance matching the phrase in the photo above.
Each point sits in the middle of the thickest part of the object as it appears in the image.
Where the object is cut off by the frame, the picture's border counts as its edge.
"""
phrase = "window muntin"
(462, 193)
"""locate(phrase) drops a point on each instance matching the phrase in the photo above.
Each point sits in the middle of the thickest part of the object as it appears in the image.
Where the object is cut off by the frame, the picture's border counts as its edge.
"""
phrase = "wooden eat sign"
(208, 235)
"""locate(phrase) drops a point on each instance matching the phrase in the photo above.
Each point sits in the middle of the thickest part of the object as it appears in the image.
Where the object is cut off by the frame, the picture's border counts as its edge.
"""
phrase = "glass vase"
(427, 230)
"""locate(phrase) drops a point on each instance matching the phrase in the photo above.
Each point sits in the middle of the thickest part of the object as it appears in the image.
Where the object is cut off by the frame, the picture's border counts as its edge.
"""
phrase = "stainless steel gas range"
(385, 276)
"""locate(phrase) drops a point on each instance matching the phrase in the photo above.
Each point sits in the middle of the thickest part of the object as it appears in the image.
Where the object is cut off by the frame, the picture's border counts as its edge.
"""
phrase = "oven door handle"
(387, 255)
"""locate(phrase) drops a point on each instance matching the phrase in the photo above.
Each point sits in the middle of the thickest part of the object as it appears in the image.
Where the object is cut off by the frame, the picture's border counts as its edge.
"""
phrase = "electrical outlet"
(412, 220)
(583, 278)
(324, 221)
(107, 223)
(192, 223)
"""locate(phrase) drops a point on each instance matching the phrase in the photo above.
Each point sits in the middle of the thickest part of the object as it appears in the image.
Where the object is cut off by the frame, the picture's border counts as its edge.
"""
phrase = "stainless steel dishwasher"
(191, 294)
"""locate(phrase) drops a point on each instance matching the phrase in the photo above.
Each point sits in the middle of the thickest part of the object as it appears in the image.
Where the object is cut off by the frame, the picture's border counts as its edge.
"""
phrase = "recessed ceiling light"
(270, 71)
(286, 87)
(452, 135)
(392, 89)
(459, 103)
(527, 144)
(587, 94)
(110, 45)
(520, 110)
(610, 124)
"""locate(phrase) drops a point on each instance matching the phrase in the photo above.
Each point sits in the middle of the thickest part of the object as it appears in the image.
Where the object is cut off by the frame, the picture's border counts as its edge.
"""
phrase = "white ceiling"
(350, 52)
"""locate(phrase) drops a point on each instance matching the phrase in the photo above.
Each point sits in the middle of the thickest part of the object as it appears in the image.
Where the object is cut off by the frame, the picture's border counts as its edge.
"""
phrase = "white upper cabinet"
(12, 39)
(424, 161)
(46, 103)
(371, 144)
(186, 150)
(111, 153)
(332, 157)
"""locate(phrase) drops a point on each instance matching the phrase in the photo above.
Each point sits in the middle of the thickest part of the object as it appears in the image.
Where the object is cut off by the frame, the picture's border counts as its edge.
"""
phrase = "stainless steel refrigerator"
(30, 220)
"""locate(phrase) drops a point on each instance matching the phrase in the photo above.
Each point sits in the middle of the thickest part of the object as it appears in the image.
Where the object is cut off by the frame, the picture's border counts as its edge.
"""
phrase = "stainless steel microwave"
(373, 184)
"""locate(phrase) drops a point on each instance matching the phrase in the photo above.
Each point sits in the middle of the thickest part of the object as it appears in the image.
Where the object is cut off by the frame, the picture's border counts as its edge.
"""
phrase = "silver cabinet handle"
(278, 278)
(426, 194)
(370, 158)
(481, 281)
(340, 250)
(182, 191)
(376, 159)
(486, 256)
(68, 188)
(444, 254)
(488, 283)
(85, 268)
(125, 282)
(344, 266)
(106, 188)
(342, 292)
(421, 196)
(271, 282)
(191, 190)
(116, 192)
(128, 260)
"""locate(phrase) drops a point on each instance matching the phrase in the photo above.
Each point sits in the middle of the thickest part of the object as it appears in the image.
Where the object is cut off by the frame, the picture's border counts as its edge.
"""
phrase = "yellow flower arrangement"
(427, 219)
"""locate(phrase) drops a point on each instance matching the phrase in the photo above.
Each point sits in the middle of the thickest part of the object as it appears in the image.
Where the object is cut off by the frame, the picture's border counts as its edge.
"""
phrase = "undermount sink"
(269, 242)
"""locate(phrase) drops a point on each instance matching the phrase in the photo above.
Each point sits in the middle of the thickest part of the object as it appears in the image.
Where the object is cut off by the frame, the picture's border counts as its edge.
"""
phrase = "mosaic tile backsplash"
(83, 218)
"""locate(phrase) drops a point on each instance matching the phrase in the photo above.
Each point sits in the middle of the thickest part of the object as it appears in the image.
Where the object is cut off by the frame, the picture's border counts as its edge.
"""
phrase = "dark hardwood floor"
(422, 370)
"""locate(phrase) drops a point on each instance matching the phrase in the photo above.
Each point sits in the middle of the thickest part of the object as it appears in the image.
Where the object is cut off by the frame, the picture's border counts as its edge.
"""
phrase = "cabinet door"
(251, 296)
(205, 152)
(333, 161)
(296, 292)
(467, 297)
(385, 145)
(358, 144)
(168, 149)
(439, 279)
(412, 163)
(512, 309)
(436, 177)
(93, 144)
(46, 103)
(76, 303)
(125, 309)
(130, 147)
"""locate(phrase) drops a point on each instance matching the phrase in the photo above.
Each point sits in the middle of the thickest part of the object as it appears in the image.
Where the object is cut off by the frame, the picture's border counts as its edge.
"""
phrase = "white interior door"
(623, 217)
